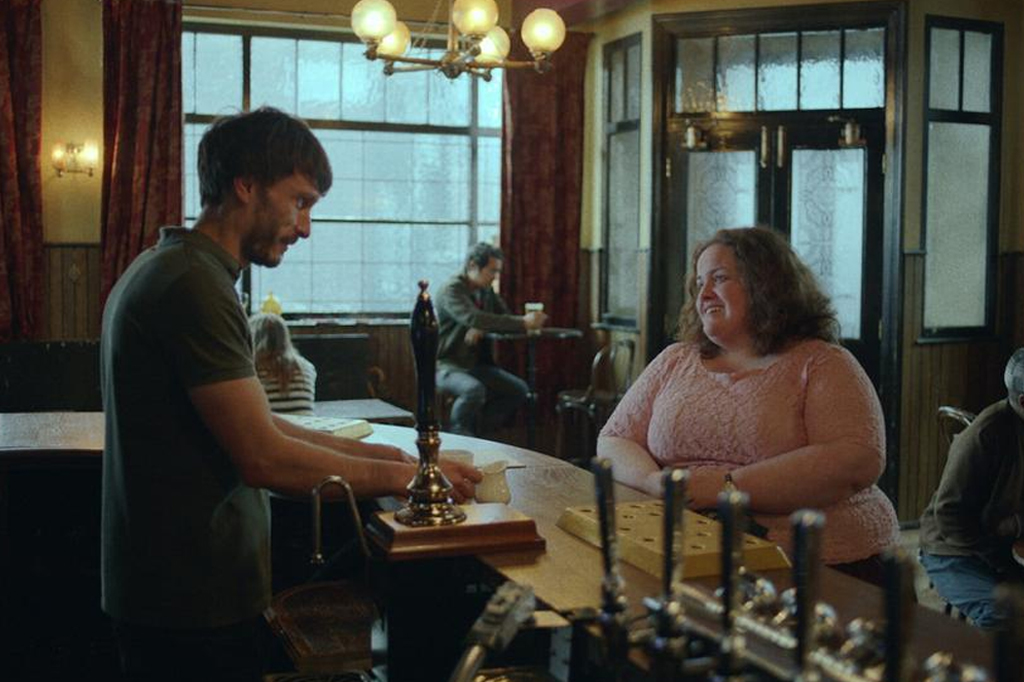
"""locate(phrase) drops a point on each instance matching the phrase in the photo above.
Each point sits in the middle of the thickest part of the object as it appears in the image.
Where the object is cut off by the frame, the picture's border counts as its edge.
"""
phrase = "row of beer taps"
(746, 631)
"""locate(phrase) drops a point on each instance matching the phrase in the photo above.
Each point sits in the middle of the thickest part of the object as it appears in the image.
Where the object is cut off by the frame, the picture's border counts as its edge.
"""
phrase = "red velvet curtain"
(542, 177)
(21, 202)
(142, 128)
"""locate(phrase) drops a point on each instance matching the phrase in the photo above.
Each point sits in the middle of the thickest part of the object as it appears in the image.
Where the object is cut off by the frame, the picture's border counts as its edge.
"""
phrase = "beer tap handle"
(673, 526)
(612, 599)
(1009, 648)
(807, 529)
(732, 510)
(899, 616)
(424, 331)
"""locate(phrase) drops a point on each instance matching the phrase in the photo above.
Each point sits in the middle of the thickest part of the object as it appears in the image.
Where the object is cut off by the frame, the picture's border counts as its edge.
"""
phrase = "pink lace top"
(683, 414)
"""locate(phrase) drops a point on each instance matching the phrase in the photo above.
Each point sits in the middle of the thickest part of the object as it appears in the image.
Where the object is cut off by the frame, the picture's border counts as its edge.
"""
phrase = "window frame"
(993, 119)
(473, 132)
(611, 128)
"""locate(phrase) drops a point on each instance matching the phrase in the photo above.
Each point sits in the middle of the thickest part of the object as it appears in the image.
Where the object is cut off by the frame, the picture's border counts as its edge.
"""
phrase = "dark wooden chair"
(611, 374)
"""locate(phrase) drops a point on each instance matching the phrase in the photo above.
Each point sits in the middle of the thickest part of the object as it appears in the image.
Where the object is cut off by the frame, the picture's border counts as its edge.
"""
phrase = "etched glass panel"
(735, 77)
(977, 71)
(362, 86)
(721, 191)
(489, 100)
(319, 79)
(944, 70)
(864, 69)
(272, 79)
(623, 222)
(404, 95)
(695, 61)
(188, 72)
(345, 149)
(633, 83)
(449, 98)
(819, 70)
(218, 74)
(617, 87)
(488, 180)
(827, 225)
(956, 228)
(193, 132)
(776, 72)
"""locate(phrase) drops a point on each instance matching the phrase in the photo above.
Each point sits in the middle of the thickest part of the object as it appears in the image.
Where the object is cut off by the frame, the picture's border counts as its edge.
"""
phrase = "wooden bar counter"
(566, 576)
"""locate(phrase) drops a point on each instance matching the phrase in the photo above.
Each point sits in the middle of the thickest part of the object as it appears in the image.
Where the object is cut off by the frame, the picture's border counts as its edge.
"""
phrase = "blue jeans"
(485, 397)
(966, 582)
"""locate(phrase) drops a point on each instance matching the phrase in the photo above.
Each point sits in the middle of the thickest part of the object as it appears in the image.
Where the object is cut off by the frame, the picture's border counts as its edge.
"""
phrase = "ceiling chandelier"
(476, 44)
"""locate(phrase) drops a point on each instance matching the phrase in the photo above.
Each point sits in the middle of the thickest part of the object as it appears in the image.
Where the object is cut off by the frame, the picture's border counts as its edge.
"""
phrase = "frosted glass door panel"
(956, 233)
(827, 225)
(721, 191)
(624, 222)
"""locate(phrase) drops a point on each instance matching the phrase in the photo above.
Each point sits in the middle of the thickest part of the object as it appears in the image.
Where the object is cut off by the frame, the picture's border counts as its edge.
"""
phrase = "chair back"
(953, 420)
(611, 372)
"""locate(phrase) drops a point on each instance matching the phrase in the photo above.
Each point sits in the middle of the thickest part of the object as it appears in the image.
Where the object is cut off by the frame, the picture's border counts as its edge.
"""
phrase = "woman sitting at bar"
(759, 394)
(288, 379)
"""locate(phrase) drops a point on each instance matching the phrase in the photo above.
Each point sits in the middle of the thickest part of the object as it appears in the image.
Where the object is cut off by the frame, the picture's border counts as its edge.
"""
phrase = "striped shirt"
(301, 393)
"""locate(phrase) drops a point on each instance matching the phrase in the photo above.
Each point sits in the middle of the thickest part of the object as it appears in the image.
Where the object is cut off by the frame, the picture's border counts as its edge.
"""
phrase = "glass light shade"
(373, 19)
(475, 17)
(395, 43)
(543, 31)
(90, 154)
(494, 47)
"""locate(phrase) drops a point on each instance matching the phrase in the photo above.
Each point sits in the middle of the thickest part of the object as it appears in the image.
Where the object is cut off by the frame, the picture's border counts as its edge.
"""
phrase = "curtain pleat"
(142, 129)
(21, 204)
(542, 178)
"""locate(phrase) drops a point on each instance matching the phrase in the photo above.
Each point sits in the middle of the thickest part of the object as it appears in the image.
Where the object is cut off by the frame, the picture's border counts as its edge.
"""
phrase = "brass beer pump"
(430, 500)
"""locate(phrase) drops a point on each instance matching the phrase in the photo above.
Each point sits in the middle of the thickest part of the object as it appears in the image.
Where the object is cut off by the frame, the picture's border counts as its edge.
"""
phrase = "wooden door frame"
(893, 15)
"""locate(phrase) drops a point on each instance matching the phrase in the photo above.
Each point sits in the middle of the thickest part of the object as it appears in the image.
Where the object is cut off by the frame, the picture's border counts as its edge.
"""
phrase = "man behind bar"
(191, 443)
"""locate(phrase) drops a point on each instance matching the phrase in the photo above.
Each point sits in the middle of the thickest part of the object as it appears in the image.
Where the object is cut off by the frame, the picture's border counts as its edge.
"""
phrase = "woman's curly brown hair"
(786, 303)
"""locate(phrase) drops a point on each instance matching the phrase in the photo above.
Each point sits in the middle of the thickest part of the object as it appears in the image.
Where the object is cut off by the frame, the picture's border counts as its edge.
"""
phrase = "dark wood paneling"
(963, 374)
(72, 296)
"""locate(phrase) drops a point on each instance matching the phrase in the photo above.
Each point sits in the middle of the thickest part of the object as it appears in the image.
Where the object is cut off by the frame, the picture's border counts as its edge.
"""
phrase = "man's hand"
(1009, 527)
(534, 320)
(463, 478)
(474, 335)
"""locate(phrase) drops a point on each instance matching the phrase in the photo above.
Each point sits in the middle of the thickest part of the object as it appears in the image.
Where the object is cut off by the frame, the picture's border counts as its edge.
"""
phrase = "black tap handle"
(675, 481)
(612, 598)
(1009, 648)
(423, 328)
(807, 529)
(899, 615)
(732, 510)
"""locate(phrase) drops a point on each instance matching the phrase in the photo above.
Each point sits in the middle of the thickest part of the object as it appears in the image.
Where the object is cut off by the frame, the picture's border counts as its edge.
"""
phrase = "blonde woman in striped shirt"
(288, 379)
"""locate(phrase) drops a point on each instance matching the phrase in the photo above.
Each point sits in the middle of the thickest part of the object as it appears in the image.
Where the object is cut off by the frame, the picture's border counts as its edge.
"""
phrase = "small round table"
(531, 366)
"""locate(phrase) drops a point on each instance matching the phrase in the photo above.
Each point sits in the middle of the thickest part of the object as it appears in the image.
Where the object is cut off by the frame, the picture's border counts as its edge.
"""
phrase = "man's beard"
(258, 246)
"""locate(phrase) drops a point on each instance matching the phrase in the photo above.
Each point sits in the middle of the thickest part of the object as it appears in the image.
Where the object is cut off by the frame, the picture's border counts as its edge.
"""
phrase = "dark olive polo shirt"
(185, 543)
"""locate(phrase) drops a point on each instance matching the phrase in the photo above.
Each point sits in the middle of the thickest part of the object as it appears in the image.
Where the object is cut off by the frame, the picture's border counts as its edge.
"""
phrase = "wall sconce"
(75, 157)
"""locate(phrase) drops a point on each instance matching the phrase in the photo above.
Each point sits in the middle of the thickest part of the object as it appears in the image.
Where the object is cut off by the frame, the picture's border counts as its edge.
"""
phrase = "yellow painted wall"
(638, 17)
(72, 112)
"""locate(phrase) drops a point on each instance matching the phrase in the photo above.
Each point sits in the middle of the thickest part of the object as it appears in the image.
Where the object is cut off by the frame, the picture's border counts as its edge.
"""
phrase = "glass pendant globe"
(475, 17)
(373, 19)
(543, 31)
(494, 47)
(395, 43)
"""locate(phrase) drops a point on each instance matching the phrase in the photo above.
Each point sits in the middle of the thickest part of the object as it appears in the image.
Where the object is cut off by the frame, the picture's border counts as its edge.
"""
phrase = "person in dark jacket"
(974, 517)
(468, 308)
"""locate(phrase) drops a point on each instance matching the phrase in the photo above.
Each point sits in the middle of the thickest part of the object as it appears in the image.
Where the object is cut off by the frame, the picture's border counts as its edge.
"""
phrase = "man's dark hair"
(481, 254)
(265, 145)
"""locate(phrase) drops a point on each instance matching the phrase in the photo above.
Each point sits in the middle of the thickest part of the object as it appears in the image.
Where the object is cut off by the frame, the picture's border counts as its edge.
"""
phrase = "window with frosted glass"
(781, 71)
(619, 276)
(960, 213)
(416, 159)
